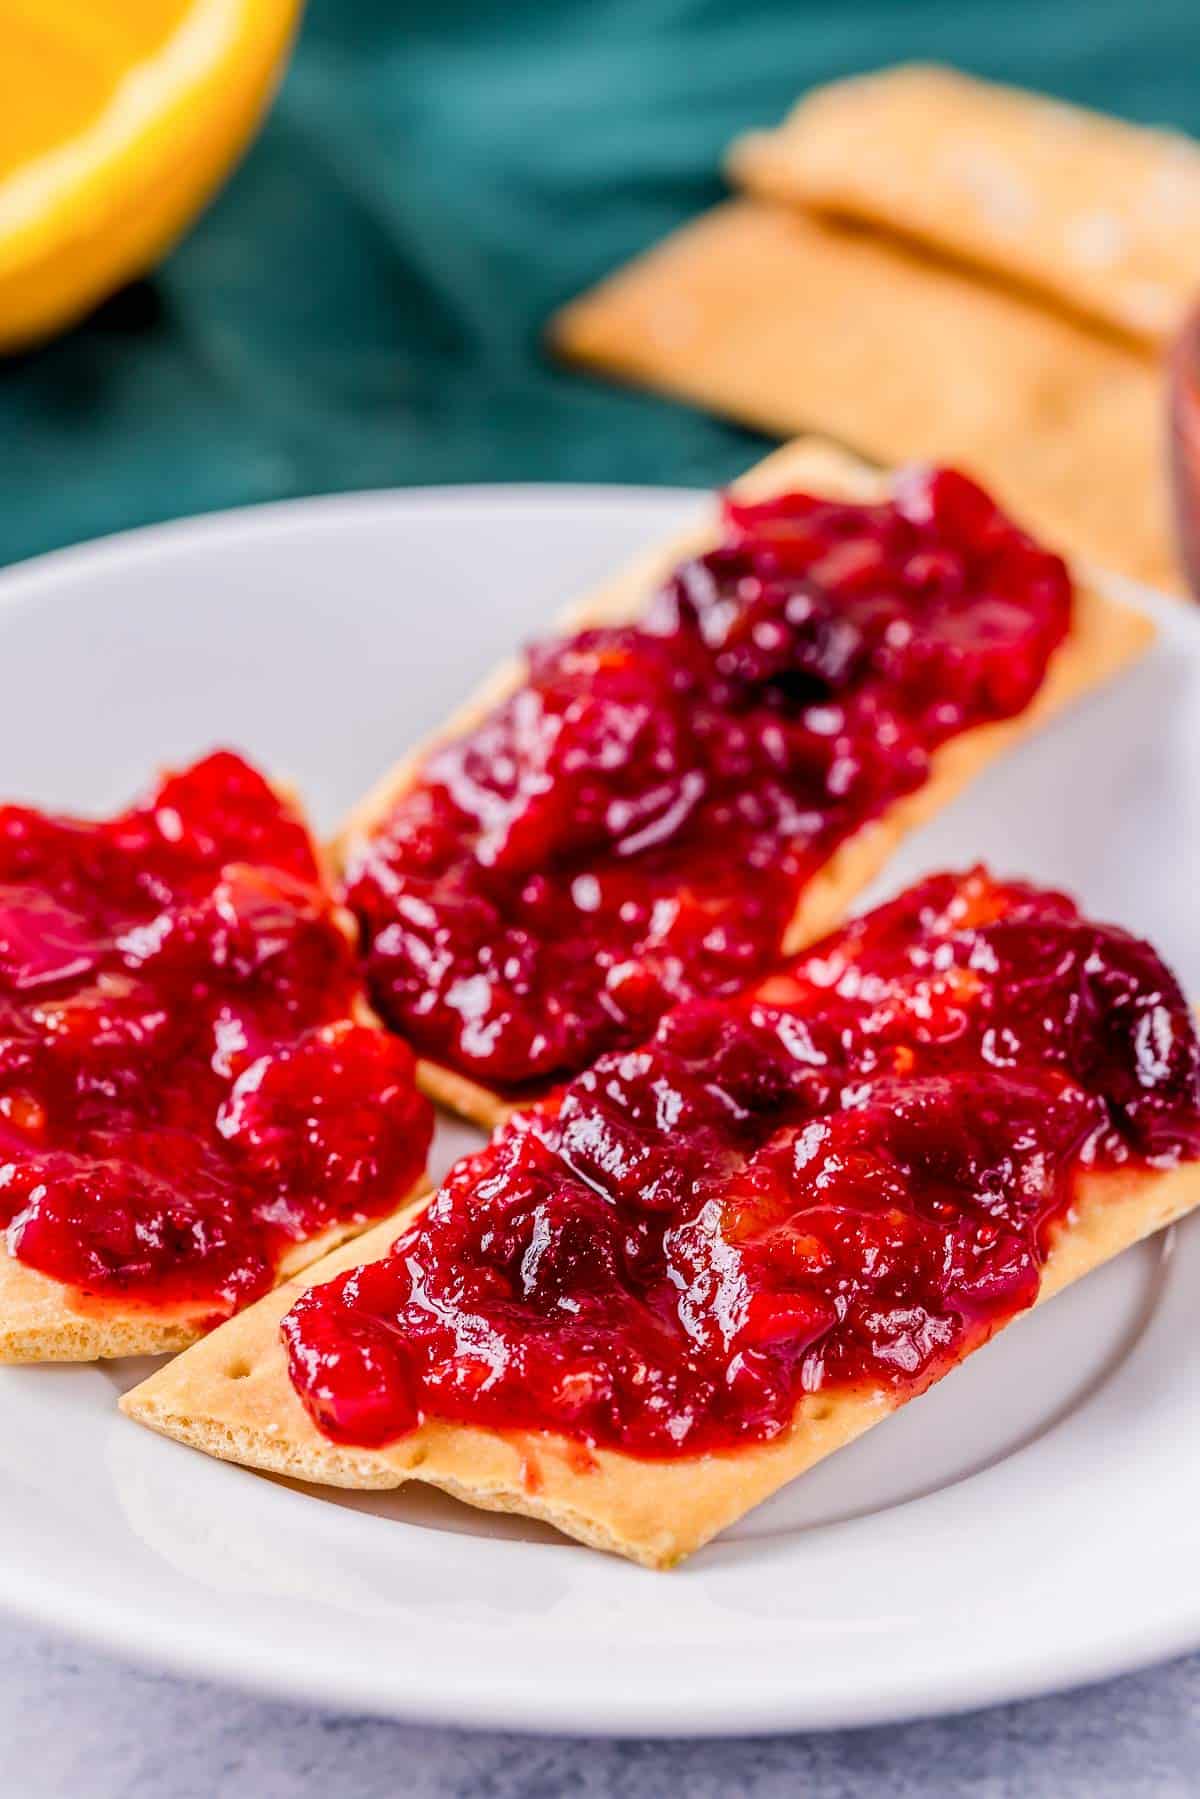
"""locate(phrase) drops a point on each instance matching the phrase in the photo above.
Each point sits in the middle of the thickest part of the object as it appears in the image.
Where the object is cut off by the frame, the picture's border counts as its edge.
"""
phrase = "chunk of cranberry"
(326, 1119)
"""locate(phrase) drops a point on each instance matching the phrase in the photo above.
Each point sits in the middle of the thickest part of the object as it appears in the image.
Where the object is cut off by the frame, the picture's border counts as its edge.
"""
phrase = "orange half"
(118, 120)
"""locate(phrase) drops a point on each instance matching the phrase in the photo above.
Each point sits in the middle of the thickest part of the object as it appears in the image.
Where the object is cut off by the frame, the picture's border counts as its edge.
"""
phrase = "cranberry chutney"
(635, 825)
(183, 1092)
(847, 1177)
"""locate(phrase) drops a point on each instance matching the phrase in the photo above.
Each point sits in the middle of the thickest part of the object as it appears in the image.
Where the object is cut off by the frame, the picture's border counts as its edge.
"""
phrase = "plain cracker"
(793, 323)
(1102, 216)
(1103, 639)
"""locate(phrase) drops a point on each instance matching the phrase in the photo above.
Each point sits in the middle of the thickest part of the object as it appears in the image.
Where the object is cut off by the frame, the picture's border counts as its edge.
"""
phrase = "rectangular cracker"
(231, 1396)
(1104, 638)
(793, 323)
(1099, 215)
(43, 1320)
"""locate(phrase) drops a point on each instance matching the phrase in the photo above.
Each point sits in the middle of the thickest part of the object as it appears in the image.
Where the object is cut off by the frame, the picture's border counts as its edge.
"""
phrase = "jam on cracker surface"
(183, 1092)
(849, 1175)
(634, 825)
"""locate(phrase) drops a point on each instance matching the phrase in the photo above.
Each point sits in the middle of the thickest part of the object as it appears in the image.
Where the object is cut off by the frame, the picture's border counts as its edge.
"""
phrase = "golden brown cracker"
(1101, 216)
(1104, 638)
(44, 1320)
(793, 323)
(231, 1396)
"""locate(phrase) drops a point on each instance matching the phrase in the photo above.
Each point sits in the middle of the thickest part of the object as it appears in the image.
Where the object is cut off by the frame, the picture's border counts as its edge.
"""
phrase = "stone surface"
(77, 1723)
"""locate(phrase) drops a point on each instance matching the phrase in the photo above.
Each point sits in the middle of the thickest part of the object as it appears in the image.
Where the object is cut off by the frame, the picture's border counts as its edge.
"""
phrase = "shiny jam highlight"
(183, 1091)
(848, 1177)
(635, 825)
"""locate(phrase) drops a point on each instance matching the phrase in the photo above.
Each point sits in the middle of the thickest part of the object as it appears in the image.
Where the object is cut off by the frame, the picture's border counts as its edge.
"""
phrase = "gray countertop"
(77, 1725)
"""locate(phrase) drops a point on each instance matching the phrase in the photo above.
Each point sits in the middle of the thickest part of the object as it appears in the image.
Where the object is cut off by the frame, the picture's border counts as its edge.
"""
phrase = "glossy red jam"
(851, 1174)
(182, 1092)
(634, 826)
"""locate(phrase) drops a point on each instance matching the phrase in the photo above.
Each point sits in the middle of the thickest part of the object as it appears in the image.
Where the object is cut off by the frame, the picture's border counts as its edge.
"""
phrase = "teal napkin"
(363, 304)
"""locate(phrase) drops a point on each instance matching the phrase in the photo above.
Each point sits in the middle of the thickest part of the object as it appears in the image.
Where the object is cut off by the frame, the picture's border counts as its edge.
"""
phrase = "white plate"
(1031, 1523)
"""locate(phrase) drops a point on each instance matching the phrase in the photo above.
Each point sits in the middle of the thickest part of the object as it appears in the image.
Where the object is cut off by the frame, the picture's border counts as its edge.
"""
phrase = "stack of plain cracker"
(926, 265)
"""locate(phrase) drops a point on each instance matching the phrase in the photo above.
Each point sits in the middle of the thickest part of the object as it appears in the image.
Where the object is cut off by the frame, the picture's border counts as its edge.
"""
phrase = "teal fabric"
(362, 305)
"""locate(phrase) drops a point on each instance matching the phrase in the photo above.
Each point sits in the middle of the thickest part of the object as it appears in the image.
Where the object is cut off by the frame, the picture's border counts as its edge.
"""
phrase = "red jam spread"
(634, 825)
(183, 1093)
(850, 1175)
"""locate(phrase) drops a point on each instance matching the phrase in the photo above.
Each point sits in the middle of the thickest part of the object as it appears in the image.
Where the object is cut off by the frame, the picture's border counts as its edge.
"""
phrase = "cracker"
(793, 323)
(1104, 638)
(1099, 215)
(43, 1320)
(231, 1396)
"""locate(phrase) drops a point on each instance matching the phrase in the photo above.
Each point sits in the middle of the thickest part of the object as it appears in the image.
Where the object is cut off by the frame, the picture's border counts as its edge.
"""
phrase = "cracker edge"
(230, 1396)
(1105, 637)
